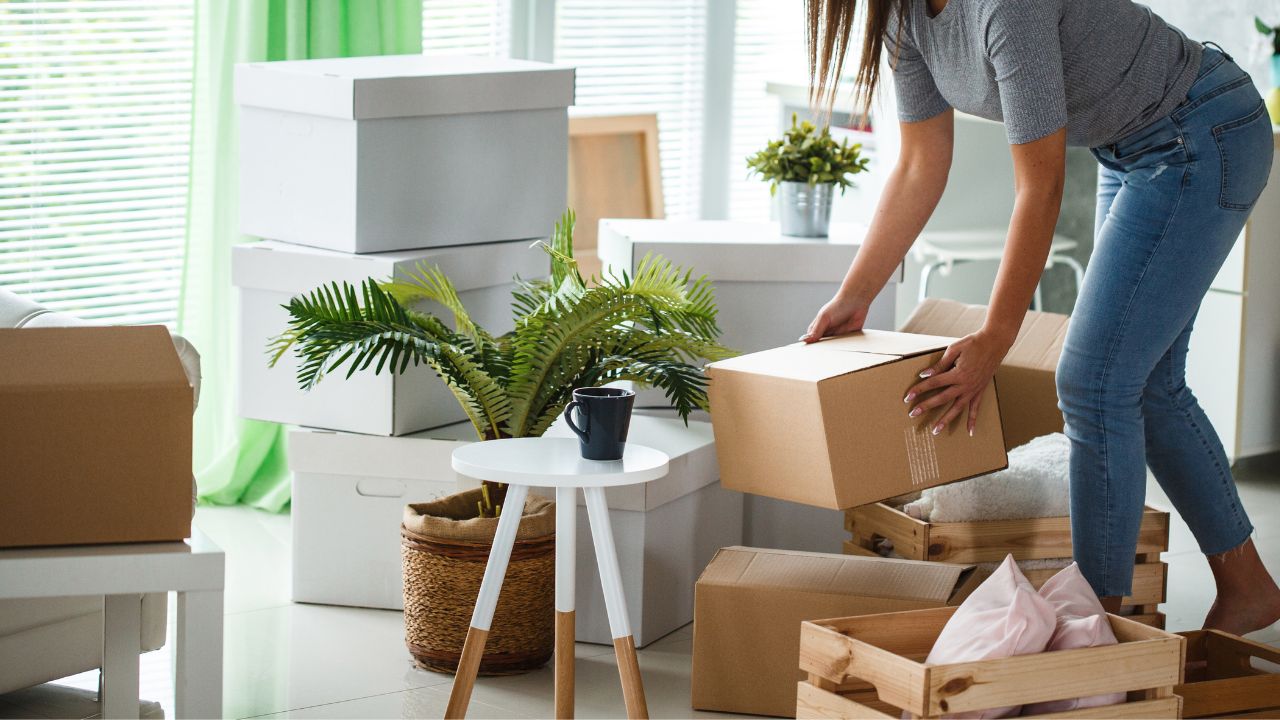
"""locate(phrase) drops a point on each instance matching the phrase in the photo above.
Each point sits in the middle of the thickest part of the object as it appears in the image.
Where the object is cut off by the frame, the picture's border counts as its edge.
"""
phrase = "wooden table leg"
(566, 565)
(482, 616)
(121, 646)
(615, 603)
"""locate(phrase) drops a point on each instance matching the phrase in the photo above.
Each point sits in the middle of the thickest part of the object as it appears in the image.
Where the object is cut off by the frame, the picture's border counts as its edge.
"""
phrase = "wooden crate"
(1222, 680)
(981, 541)
(872, 666)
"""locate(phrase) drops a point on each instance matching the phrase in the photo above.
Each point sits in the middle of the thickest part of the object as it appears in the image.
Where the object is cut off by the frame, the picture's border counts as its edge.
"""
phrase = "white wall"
(1229, 23)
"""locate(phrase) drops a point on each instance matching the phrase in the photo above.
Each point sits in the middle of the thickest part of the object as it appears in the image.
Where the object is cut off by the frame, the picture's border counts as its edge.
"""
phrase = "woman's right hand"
(839, 316)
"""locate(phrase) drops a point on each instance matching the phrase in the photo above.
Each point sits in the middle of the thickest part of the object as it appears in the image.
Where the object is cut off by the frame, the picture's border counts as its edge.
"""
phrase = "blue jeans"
(1172, 199)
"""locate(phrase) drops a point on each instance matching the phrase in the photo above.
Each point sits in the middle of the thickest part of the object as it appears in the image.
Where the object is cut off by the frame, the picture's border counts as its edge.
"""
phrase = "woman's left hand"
(959, 379)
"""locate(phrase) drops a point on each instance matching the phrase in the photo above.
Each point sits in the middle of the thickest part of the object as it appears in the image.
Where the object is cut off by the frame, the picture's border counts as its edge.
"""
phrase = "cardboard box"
(750, 603)
(665, 532)
(96, 440)
(824, 424)
(270, 273)
(349, 493)
(372, 154)
(1028, 394)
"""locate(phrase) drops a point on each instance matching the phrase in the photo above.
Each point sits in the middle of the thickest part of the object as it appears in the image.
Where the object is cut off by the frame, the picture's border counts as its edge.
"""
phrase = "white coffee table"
(555, 462)
(122, 574)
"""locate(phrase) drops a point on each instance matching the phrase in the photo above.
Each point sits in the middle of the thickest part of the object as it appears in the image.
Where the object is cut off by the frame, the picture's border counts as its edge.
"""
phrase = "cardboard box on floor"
(749, 604)
(96, 440)
(1028, 395)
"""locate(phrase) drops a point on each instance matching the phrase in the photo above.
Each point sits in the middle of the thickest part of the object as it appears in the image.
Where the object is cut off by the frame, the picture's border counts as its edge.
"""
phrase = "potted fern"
(653, 328)
(808, 164)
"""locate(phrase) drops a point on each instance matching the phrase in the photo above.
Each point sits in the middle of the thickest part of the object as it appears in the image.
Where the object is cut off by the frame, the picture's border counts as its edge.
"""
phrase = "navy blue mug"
(606, 415)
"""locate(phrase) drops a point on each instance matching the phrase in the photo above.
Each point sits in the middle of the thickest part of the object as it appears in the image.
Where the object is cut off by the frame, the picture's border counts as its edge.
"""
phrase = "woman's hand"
(959, 379)
(840, 315)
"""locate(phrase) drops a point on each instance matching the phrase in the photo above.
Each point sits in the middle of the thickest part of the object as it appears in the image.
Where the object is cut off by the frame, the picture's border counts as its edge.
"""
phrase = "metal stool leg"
(624, 645)
(1037, 300)
(925, 273)
(482, 616)
(566, 557)
(1076, 269)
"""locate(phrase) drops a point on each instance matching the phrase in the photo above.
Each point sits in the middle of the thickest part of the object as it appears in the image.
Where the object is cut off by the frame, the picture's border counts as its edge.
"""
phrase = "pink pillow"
(1082, 623)
(1004, 617)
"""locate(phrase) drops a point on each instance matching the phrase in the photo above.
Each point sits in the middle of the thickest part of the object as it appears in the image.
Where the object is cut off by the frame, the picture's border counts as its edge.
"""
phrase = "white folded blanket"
(1034, 485)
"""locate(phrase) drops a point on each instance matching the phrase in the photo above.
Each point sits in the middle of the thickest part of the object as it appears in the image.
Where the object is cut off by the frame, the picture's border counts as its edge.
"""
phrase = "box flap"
(800, 362)
(835, 574)
(293, 269)
(1037, 347)
(883, 342)
(389, 86)
(80, 357)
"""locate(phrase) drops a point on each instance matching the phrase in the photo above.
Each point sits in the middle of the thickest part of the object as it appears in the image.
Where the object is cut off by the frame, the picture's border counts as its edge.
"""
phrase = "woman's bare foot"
(1248, 598)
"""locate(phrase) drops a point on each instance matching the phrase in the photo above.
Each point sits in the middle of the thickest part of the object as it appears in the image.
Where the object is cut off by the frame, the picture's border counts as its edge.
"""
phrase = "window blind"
(466, 27)
(641, 58)
(95, 108)
(769, 46)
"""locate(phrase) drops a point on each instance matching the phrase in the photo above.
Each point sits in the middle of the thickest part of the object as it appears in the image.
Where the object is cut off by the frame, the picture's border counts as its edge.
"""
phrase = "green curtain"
(242, 461)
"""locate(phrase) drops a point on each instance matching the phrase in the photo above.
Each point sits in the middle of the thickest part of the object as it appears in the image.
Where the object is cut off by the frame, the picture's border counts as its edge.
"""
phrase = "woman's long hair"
(829, 25)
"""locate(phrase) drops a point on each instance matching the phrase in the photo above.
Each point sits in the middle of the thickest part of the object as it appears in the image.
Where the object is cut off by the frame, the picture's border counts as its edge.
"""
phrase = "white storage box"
(372, 154)
(349, 493)
(270, 273)
(666, 531)
(768, 287)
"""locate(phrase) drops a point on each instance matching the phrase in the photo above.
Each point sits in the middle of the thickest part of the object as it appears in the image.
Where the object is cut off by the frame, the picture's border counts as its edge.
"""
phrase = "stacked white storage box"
(350, 491)
(768, 288)
(368, 167)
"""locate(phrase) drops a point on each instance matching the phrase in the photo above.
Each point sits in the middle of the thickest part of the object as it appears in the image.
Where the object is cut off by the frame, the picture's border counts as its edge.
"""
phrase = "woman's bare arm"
(910, 196)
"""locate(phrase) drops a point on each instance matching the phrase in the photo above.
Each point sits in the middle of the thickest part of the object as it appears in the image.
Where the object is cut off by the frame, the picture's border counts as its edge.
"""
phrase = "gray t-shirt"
(1101, 68)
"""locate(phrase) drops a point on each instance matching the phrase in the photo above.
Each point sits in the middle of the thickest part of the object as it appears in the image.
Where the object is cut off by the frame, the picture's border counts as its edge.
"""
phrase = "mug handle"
(568, 417)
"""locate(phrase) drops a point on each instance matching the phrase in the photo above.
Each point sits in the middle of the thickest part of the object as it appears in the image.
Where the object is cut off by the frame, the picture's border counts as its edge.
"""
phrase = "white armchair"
(43, 640)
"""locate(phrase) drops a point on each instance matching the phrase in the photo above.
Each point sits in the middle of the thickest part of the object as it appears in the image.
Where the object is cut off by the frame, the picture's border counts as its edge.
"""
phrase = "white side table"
(122, 574)
(555, 462)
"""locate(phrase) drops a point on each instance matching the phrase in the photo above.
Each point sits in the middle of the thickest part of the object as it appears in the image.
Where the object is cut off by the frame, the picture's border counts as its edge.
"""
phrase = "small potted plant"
(807, 164)
(651, 328)
(1273, 98)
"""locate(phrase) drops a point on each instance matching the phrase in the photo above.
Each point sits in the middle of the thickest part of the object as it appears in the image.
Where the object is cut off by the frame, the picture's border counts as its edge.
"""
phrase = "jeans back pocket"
(1245, 146)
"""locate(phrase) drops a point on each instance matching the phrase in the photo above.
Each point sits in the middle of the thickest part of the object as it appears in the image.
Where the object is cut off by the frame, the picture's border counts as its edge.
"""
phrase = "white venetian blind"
(95, 109)
(640, 58)
(769, 46)
(466, 27)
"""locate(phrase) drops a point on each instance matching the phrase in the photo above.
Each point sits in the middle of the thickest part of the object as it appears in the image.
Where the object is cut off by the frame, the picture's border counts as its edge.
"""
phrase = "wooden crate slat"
(1167, 707)
(1148, 582)
(828, 654)
(1140, 664)
(1155, 620)
(988, 540)
(853, 547)
(812, 702)
(1219, 697)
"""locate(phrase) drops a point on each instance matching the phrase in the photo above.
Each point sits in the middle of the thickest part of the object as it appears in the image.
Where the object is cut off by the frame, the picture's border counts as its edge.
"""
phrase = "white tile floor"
(310, 661)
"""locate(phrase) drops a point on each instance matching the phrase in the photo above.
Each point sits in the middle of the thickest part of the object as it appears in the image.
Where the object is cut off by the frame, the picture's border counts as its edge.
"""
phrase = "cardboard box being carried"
(1028, 394)
(372, 154)
(750, 603)
(824, 424)
(96, 439)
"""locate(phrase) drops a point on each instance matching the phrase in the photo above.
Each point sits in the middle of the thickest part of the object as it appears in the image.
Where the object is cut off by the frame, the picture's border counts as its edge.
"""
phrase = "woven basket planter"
(445, 547)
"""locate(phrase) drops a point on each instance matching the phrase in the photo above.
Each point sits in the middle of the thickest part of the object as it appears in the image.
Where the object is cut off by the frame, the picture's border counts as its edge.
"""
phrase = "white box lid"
(294, 269)
(424, 455)
(732, 250)
(386, 86)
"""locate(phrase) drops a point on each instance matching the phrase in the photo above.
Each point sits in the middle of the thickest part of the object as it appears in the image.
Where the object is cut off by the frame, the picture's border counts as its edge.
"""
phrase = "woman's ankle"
(1248, 597)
